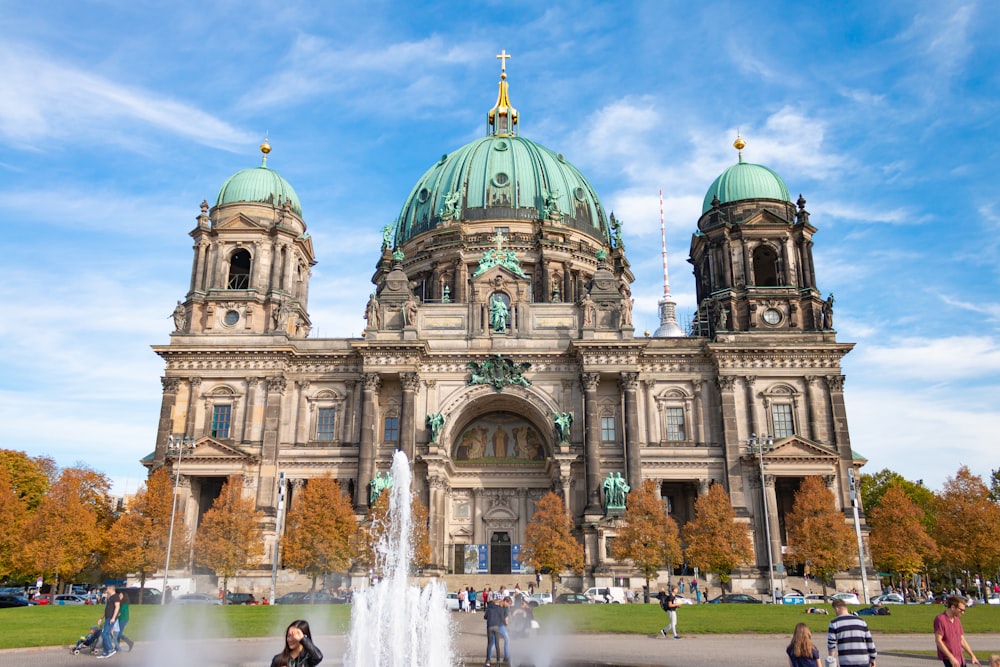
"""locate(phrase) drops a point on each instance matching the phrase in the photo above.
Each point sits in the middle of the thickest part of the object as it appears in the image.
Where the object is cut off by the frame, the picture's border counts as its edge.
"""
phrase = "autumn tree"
(377, 527)
(138, 539)
(873, 488)
(967, 529)
(817, 532)
(319, 529)
(648, 537)
(229, 538)
(14, 511)
(898, 540)
(30, 476)
(716, 542)
(65, 534)
(550, 544)
(995, 485)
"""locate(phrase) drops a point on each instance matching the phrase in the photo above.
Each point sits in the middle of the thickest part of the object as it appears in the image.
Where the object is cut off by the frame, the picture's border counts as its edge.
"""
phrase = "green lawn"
(48, 626)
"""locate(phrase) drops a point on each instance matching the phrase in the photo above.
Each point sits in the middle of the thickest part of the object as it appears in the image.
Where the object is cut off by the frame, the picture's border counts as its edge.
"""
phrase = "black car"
(572, 598)
(735, 598)
(138, 595)
(240, 598)
(9, 601)
(292, 598)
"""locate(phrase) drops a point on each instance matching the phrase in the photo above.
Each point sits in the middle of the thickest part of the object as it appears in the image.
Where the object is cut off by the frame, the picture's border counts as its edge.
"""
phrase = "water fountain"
(394, 624)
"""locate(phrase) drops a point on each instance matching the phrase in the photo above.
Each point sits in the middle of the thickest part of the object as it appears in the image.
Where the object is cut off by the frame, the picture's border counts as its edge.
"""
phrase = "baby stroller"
(91, 640)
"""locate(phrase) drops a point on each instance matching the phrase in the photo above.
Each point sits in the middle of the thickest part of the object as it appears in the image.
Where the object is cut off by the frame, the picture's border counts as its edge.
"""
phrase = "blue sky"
(118, 118)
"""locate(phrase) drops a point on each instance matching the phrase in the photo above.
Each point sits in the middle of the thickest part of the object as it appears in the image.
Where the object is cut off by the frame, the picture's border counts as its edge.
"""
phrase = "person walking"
(123, 617)
(850, 637)
(112, 605)
(802, 652)
(949, 635)
(299, 650)
(669, 604)
(496, 622)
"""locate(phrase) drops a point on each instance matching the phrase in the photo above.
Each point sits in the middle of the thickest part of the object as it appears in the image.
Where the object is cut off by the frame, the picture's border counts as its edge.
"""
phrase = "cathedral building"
(501, 357)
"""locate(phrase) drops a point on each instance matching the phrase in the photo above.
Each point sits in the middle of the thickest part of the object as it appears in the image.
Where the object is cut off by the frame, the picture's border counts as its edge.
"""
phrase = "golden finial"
(265, 148)
(739, 144)
(502, 118)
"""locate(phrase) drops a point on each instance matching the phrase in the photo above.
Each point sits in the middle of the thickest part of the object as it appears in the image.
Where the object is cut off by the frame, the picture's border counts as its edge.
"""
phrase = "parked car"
(680, 599)
(452, 601)
(69, 600)
(42, 599)
(141, 596)
(8, 601)
(849, 598)
(602, 594)
(734, 598)
(993, 598)
(539, 599)
(889, 598)
(240, 598)
(297, 597)
(573, 598)
(197, 598)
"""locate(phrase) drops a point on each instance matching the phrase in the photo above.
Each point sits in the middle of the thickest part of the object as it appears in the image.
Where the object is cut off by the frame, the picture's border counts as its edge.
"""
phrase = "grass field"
(51, 626)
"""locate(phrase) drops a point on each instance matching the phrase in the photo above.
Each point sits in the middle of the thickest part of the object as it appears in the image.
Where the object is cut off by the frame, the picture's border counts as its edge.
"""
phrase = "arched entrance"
(500, 552)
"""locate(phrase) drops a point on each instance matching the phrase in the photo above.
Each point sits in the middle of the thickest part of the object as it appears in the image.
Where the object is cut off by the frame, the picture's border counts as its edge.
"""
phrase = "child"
(801, 652)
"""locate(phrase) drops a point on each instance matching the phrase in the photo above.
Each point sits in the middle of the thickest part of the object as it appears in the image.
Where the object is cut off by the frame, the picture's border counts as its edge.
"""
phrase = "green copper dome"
(746, 181)
(261, 186)
(502, 177)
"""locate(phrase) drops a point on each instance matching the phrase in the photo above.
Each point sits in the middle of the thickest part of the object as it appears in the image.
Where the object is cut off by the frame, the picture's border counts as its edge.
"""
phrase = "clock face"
(231, 317)
(772, 316)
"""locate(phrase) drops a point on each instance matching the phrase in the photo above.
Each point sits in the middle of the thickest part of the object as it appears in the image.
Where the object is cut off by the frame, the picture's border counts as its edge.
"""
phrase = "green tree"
(967, 530)
(549, 542)
(995, 486)
(30, 476)
(873, 487)
(229, 538)
(138, 539)
(65, 534)
(319, 529)
(717, 544)
(648, 536)
(899, 543)
(817, 531)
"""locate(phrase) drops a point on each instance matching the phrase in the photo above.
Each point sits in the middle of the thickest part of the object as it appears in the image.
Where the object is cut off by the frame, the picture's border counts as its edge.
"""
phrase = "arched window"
(239, 270)
(765, 267)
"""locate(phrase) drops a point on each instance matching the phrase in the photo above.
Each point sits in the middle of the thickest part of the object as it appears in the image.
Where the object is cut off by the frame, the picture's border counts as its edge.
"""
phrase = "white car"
(849, 598)
(539, 599)
(452, 601)
(889, 598)
(993, 598)
(680, 599)
(69, 600)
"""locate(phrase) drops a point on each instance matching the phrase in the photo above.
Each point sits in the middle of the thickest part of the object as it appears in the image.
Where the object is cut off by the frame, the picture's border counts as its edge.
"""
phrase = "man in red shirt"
(949, 636)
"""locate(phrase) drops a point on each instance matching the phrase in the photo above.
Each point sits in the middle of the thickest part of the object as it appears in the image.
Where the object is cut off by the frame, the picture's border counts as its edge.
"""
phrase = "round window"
(501, 179)
(772, 316)
(231, 317)
(423, 195)
(500, 145)
(580, 194)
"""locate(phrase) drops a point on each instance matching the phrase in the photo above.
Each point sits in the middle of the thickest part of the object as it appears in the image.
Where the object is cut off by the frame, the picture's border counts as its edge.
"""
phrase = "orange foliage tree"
(319, 529)
(138, 539)
(716, 542)
(14, 511)
(899, 543)
(967, 529)
(375, 531)
(549, 542)
(229, 538)
(818, 532)
(30, 476)
(65, 534)
(648, 536)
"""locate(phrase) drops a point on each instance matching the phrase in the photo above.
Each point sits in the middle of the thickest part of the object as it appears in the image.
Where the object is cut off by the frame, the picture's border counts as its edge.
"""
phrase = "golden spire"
(265, 148)
(502, 117)
(739, 144)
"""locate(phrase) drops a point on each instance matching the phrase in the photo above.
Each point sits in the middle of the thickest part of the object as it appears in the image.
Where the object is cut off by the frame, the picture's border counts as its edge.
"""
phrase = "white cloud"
(855, 211)
(933, 360)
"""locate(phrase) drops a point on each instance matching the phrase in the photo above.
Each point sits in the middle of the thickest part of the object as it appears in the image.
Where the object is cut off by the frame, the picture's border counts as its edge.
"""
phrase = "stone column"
(302, 414)
(269, 451)
(546, 289)
(698, 425)
(352, 429)
(749, 381)
(408, 422)
(772, 517)
(289, 268)
(369, 429)
(192, 408)
(165, 426)
(592, 441)
(437, 504)
(841, 436)
(652, 433)
(628, 383)
(477, 516)
(731, 440)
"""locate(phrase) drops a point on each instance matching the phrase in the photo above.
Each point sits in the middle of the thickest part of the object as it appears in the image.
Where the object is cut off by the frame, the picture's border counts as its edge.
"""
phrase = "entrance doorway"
(500, 553)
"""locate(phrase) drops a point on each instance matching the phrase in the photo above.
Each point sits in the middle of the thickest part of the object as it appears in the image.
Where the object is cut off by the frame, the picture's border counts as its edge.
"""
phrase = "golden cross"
(503, 56)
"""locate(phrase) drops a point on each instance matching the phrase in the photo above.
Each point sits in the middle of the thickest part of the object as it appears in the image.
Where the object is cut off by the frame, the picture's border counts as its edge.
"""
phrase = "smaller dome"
(746, 181)
(259, 186)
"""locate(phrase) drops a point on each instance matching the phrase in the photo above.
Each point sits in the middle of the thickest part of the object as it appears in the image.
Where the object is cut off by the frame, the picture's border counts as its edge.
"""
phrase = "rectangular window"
(221, 419)
(608, 429)
(325, 420)
(781, 415)
(391, 431)
(675, 423)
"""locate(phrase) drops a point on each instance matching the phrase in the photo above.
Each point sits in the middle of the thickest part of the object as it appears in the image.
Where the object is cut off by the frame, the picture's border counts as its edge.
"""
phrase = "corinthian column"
(629, 382)
(592, 441)
(408, 422)
(369, 427)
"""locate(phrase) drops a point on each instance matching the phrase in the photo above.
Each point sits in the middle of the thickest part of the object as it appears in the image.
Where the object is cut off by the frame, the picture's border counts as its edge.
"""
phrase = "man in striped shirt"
(851, 639)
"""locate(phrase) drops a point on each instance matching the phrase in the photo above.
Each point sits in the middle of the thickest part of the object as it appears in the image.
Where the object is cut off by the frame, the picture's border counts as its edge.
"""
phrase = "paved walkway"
(545, 650)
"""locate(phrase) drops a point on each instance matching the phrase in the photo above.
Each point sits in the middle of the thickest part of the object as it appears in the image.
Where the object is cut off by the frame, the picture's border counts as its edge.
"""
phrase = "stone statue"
(446, 295)
(386, 237)
(626, 311)
(723, 323)
(621, 489)
(372, 313)
(556, 295)
(451, 202)
(180, 317)
(550, 207)
(499, 312)
(281, 315)
(589, 309)
(564, 422)
(615, 489)
(435, 422)
(410, 313)
(379, 483)
(828, 313)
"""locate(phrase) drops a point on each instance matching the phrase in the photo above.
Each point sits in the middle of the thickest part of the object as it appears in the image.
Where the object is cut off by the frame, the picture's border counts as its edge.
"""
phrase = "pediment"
(797, 447)
(765, 216)
(239, 222)
(210, 448)
(499, 274)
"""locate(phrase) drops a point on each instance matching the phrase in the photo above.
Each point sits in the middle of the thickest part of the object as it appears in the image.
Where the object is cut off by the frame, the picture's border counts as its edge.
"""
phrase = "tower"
(667, 305)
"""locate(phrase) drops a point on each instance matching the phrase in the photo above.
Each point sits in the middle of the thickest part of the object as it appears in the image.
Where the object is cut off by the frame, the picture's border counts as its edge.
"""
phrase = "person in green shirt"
(122, 622)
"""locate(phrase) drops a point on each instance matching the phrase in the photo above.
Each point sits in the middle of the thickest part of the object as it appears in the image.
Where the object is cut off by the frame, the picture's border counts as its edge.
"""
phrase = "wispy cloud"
(946, 359)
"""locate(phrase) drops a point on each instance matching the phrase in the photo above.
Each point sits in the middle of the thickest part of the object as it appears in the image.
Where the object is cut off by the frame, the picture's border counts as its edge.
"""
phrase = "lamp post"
(756, 447)
(178, 445)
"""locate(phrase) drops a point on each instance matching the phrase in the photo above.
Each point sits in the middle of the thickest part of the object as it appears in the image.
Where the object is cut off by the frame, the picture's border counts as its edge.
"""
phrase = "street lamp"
(176, 445)
(757, 447)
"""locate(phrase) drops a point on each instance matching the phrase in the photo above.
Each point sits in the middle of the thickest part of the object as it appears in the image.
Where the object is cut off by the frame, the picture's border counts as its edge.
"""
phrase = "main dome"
(502, 177)
(745, 181)
(260, 185)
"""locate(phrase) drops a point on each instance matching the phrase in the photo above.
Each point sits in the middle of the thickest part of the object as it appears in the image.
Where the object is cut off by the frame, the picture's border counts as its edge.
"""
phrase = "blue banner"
(484, 564)
(515, 559)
